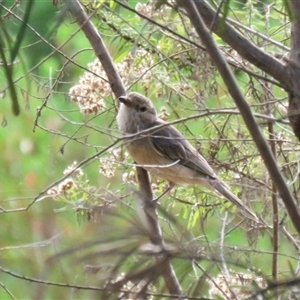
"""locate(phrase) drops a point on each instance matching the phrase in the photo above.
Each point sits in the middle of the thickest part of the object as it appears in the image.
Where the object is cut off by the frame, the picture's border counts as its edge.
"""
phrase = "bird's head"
(136, 113)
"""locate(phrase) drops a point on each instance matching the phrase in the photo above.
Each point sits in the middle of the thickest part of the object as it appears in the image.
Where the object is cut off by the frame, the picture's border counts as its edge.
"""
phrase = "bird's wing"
(169, 142)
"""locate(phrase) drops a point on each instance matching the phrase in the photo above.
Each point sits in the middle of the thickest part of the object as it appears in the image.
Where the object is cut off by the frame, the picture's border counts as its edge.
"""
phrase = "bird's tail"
(221, 187)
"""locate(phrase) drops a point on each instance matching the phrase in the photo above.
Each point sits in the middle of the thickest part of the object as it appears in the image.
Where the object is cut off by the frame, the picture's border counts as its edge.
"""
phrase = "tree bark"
(294, 73)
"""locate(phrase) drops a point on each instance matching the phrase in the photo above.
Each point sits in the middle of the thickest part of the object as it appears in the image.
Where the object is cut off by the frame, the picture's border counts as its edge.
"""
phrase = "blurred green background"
(33, 157)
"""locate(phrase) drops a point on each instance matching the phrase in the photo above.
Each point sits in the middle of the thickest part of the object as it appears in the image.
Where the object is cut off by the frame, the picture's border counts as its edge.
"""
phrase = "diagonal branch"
(245, 110)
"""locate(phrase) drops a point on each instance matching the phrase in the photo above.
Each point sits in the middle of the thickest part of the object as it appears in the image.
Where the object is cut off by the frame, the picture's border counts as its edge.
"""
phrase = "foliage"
(88, 229)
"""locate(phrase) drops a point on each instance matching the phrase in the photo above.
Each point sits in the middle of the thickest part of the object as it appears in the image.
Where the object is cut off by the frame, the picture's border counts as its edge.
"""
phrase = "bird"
(164, 151)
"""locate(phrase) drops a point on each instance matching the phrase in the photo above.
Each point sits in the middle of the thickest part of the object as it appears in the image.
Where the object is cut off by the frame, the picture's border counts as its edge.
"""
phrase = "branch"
(150, 209)
(243, 46)
(294, 69)
(118, 89)
(245, 110)
(259, 34)
(275, 239)
(295, 33)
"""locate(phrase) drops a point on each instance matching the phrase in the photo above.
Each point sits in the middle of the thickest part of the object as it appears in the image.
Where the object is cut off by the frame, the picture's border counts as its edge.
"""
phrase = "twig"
(150, 209)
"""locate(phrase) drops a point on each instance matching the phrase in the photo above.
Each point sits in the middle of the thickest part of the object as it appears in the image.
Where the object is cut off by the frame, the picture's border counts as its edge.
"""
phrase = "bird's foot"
(168, 189)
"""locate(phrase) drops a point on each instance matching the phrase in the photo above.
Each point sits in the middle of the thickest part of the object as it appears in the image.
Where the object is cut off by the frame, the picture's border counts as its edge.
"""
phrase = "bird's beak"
(124, 100)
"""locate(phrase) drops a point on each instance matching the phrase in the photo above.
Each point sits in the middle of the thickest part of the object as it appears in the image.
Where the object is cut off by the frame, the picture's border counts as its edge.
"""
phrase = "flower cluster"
(163, 114)
(74, 170)
(107, 168)
(66, 185)
(62, 188)
(129, 177)
(235, 286)
(93, 85)
(149, 10)
(88, 94)
(130, 290)
(145, 9)
(108, 165)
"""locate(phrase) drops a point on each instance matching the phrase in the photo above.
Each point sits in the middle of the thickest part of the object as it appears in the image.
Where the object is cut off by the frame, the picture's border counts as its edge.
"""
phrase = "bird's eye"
(143, 109)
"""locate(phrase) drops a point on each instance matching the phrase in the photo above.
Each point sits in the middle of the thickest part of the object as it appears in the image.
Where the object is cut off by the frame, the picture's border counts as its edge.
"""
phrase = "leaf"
(160, 3)
(21, 32)
(225, 13)
(288, 9)
(8, 69)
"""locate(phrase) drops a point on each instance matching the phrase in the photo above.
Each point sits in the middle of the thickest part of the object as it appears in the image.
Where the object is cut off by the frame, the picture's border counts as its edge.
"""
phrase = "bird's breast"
(143, 152)
(146, 156)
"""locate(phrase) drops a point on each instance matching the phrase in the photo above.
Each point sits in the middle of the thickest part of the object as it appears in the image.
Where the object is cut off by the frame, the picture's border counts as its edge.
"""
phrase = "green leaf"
(160, 3)
(21, 32)
(225, 14)
(288, 9)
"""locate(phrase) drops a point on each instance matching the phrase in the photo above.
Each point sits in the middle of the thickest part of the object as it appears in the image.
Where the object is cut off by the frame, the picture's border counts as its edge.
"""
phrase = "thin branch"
(245, 110)
(259, 34)
(275, 235)
(57, 284)
(272, 143)
(7, 291)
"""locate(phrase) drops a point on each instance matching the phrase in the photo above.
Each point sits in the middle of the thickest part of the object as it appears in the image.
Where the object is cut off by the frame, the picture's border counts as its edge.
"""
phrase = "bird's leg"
(167, 190)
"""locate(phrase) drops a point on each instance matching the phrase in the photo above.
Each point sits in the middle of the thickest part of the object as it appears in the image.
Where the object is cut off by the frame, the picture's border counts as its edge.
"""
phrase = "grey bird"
(166, 153)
